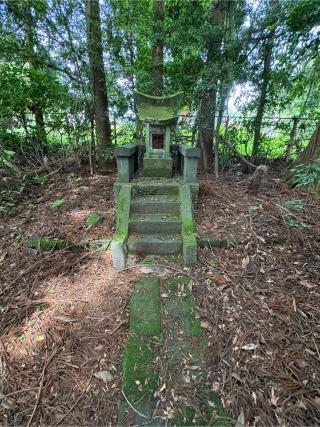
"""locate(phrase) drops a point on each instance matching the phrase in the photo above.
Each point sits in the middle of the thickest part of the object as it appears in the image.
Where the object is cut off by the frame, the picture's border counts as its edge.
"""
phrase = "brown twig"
(76, 402)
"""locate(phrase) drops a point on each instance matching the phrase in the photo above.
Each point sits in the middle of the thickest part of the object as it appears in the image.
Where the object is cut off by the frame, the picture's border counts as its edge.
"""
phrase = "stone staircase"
(155, 220)
(155, 213)
(154, 217)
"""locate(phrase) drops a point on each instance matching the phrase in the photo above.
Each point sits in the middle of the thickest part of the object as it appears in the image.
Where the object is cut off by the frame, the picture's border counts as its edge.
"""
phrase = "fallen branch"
(75, 404)
(243, 159)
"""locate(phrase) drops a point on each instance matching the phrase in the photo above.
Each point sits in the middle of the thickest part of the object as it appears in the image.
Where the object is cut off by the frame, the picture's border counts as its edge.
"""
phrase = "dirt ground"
(63, 314)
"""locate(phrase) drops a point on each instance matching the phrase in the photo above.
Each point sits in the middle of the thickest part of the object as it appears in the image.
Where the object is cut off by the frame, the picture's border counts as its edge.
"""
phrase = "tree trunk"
(40, 127)
(209, 94)
(256, 180)
(292, 139)
(312, 151)
(101, 111)
(263, 95)
(157, 48)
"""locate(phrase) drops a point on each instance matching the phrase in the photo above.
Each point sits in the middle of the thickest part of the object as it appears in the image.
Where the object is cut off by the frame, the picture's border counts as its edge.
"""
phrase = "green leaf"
(21, 338)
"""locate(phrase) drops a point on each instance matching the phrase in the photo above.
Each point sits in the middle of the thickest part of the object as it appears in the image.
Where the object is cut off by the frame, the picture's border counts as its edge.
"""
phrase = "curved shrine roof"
(158, 109)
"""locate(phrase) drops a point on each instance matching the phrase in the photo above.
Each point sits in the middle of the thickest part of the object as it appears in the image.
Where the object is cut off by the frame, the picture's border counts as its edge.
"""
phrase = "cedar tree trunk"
(101, 111)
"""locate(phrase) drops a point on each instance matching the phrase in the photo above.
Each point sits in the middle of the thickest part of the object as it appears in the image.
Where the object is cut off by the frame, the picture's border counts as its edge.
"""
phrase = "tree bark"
(157, 48)
(208, 95)
(312, 150)
(99, 89)
(263, 95)
(292, 139)
(256, 180)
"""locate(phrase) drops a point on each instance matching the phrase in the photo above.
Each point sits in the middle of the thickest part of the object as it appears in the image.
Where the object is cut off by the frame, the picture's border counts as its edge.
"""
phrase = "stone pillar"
(167, 141)
(148, 142)
(125, 162)
(190, 163)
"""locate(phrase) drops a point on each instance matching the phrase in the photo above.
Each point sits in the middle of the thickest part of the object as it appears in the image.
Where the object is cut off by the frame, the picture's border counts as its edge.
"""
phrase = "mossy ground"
(181, 346)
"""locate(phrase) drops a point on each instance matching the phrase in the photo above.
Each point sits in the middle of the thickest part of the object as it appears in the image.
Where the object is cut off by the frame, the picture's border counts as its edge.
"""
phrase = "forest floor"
(64, 316)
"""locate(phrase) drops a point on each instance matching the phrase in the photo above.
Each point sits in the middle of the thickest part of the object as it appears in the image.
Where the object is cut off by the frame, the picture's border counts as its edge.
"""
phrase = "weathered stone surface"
(118, 244)
(125, 150)
(154, 223)
(140, 379)
(155, 245)
(157, 167)
(156, 204)
(188, 151)
(189, 250)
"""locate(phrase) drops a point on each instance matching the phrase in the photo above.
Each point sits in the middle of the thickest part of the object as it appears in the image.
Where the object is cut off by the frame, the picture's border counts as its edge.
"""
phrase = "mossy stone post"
(126, 162)
(189, 163)
(189, 241)
(119, 241)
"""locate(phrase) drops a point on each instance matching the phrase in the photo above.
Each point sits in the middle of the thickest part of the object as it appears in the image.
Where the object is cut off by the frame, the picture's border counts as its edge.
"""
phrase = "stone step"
(164, 244)
(153, 204)
(152, 188)
(154, 223)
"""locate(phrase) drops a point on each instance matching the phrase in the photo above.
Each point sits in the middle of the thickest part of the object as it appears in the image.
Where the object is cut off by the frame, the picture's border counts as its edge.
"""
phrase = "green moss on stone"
(139, 378)
(183, 305)
(93, 219)
(209, 416)
(47, 244)
(145, 307)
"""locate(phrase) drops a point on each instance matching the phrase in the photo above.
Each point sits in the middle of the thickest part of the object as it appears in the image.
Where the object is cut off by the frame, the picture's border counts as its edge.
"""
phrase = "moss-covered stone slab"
(153, 204)
(164, 109)
(94, 219)
(140, 379)
(47, 244)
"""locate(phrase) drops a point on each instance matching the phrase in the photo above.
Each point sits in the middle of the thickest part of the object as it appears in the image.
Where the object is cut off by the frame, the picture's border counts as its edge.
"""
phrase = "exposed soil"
(64, 319)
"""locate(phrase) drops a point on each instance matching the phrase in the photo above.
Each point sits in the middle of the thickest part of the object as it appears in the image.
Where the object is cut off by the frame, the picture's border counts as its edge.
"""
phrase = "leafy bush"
(308, 176)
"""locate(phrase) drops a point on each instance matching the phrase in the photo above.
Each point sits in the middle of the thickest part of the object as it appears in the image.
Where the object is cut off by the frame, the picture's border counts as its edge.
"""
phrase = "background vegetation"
(248, 69)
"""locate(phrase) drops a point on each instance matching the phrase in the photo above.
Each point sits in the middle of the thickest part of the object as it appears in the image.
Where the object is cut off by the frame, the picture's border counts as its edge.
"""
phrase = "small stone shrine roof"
(158, 109)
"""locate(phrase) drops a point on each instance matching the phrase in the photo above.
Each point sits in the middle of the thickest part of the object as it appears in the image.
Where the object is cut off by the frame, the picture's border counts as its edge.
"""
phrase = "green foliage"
(10, 197)
(308, 176)
(291, 216)
(57, 203)
(126, 133)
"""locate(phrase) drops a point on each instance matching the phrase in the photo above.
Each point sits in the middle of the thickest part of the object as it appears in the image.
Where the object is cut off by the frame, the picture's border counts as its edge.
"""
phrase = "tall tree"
(99, 89)
(209, 83)
(27, 14)
(158, 45)
(265, 77)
